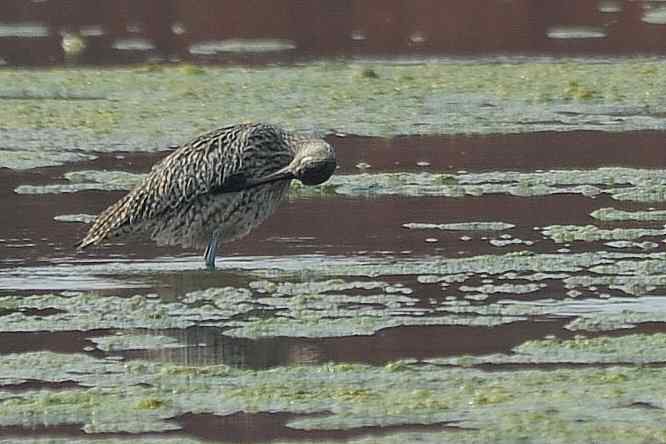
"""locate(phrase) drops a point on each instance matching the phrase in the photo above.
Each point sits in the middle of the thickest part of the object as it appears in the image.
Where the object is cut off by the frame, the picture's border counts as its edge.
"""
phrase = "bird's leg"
(209, 255)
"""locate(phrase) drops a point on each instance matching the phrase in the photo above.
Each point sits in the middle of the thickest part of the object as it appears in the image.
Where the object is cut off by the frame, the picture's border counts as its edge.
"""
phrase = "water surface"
(51, 32)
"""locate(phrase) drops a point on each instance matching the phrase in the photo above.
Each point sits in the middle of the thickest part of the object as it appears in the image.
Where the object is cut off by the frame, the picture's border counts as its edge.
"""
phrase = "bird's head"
(314, 161)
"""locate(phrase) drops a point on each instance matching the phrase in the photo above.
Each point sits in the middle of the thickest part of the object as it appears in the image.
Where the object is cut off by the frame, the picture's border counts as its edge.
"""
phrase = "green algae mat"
(616, 404)
(595, 376)
(291, 297)
(145, 108)
(587, 388)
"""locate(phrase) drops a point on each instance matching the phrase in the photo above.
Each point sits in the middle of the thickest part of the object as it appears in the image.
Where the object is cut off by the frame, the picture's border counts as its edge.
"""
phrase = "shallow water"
(493, 280)
(50, 32)
(486, 265)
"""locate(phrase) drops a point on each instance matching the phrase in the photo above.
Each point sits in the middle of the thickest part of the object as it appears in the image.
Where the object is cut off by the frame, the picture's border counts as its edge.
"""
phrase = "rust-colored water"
(371, 227)
(130, 31)
(368, 226)
(246, 428)
(37, 33)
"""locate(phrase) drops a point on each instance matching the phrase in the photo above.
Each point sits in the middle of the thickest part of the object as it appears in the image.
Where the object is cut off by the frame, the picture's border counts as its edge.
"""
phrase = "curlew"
(216, 188)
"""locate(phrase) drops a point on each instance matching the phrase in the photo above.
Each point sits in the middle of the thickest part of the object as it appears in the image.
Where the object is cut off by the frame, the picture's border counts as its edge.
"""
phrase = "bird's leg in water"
(209, 255)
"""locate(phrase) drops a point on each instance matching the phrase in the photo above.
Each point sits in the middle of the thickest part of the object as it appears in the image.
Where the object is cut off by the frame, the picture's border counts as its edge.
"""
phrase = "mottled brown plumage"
(218, 187)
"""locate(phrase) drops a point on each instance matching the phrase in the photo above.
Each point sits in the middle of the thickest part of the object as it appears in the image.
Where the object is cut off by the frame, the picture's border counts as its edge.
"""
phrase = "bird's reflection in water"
(172, 287)
(206, 346)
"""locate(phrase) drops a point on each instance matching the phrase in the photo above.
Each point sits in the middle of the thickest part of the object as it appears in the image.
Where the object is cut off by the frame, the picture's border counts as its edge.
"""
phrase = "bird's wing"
(228, 160)
(223, 161)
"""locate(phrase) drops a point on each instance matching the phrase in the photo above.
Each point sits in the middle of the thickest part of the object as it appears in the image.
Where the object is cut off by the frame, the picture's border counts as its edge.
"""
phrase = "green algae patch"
(87, 180)
(340, 296)
(622, 314)
(599, 403)
(30, 366)
(311, 309)
(107, 406)
(637, 349)
(509, 242)
(149, 404)
(642, 185)
(121, 342)
(613, 214)
(299, 297)
(589, 233)
(98, 440)
(27, 159)
(518, 429)
(146, 108)
(646, 245)
(243, 46)
(504, 288)
(576, 32)
(620, 183)
(80, 218)
(463, 226)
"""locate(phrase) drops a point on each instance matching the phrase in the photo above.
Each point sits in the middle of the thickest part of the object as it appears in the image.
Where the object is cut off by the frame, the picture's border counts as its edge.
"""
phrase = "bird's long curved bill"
(281, 174)
(237, 184)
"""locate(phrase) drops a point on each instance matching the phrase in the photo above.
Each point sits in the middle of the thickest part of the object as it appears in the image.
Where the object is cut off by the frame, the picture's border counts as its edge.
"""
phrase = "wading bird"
(216, 188)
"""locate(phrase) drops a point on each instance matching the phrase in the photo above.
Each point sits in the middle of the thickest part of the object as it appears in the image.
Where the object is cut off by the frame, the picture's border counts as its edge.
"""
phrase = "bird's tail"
(107, 224)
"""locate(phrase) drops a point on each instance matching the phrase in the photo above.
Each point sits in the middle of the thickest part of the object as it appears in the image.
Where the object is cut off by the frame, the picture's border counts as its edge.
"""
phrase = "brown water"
(362, 227)
(318, 230)
(247, 428)
(105, 32)
(365, 226)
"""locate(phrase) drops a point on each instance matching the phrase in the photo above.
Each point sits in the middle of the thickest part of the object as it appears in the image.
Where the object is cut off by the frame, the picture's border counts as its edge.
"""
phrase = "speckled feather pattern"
(177, 202)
